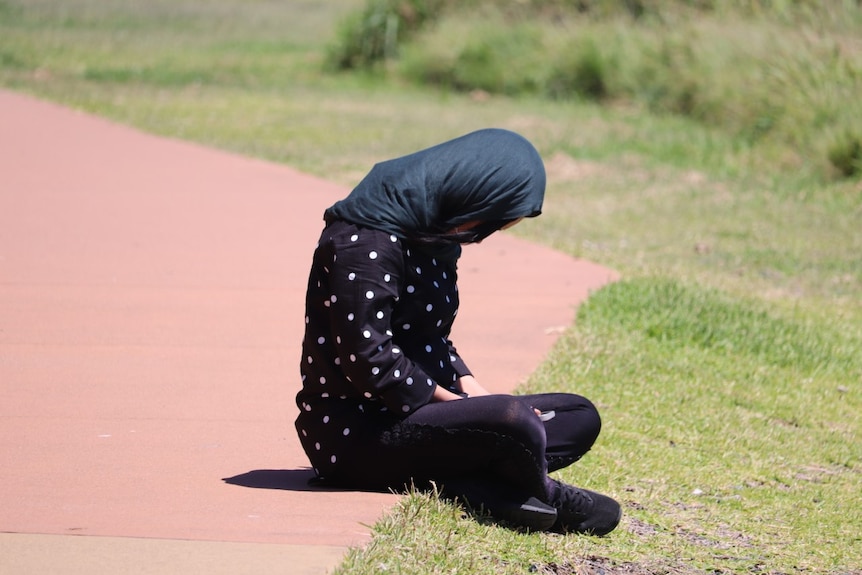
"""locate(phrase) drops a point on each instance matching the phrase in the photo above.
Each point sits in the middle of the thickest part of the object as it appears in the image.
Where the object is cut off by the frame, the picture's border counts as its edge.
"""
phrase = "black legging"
(495, 439)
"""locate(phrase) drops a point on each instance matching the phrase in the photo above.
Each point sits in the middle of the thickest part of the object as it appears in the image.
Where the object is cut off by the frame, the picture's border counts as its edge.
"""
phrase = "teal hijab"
(492, 176)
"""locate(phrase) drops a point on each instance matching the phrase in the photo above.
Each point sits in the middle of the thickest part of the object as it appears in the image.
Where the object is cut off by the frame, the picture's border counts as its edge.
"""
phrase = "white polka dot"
(337, 339)
(310, 360)
(322, 379)
(350, 316)
(304, 433)
(337, 361)
(418, 270)
(346, 431)
(372, 255)
(333, 299)
(387, 278)
(436, 285)
(366, 334)
(405, 327)
(351, 276)
(306, 407)
(369, 294)
(380, 315)
(409, 381)
(428, 348)
(434, 261)
(324, 395)
(411, 289)
(429, 307)
(396, 350)
(332, 459)
(397, 373)
(367, 394)
(353, 357)
(325, 419)
(354, 237)
(326, 303)
(405, 408)
(375, 370)
(444, 275)
(439, 322)
(393, 239)
(317, 446)
(321, 340)
(429, 382)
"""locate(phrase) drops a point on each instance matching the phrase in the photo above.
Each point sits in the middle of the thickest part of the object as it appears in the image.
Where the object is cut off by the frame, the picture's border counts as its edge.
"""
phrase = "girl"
(386, 400)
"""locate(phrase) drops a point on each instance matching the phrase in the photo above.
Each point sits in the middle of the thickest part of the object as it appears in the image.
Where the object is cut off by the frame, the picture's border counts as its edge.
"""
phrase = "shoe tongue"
(554, 489)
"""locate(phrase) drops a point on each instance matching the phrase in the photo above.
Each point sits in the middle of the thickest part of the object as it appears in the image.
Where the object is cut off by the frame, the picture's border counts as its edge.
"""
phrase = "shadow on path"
(288, 480)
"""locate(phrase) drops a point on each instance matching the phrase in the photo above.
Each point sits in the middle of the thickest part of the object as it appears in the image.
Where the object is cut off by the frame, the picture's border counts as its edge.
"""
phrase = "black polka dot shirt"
(378, 317)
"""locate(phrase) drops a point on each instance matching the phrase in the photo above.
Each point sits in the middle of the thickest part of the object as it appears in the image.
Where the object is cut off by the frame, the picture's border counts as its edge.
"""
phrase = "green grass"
(727, 362)
(781, 77)
(729, 425)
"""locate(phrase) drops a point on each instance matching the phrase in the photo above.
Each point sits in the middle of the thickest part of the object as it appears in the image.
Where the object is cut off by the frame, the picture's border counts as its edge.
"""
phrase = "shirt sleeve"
(457, 363)
(365, 279)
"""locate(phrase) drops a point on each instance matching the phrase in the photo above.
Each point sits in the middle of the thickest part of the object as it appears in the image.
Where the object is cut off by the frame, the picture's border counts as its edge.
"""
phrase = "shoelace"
(572, 499)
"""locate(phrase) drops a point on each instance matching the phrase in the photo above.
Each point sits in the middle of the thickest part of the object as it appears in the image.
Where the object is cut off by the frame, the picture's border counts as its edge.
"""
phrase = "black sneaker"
(584, 511)
(504, 505)
(532, 514)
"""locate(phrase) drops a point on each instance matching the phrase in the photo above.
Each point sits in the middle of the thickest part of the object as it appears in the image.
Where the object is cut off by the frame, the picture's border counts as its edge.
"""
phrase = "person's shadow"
(285, 479)
(305, 480)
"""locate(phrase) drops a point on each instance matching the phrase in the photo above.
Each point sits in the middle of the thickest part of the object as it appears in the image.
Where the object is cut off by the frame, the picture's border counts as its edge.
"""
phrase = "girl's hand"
(443, 394)
(471, 387)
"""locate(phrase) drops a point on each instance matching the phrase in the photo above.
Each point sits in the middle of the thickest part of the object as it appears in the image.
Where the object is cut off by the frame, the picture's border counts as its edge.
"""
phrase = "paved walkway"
(150, 316)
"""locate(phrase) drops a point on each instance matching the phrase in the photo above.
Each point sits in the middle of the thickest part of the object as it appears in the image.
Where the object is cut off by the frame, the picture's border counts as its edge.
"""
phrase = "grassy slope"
(725, 366)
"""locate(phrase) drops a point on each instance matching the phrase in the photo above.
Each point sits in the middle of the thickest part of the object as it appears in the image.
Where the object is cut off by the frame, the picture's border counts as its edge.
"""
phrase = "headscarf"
(494, 176)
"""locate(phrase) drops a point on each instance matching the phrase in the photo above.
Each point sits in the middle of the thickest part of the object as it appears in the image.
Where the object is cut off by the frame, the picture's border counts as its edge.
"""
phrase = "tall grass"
(784, 77)
(375, 33)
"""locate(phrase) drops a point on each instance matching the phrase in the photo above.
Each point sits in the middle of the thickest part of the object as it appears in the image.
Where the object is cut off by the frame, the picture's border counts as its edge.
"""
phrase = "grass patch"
(759, 71)
(752, 414)
(725, 365)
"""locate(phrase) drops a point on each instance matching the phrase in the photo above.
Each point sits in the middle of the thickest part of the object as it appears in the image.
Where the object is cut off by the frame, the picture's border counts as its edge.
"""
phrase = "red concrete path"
(150, 317)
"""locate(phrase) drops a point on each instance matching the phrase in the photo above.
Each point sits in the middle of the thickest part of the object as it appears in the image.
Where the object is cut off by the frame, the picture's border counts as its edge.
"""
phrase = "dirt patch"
(562, 167)
(606, 566)
(595, 565)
